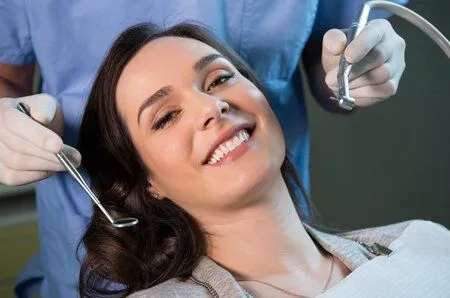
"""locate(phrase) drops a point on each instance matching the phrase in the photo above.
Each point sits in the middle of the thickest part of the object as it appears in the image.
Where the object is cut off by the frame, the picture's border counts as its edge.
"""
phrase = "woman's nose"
(211, 111)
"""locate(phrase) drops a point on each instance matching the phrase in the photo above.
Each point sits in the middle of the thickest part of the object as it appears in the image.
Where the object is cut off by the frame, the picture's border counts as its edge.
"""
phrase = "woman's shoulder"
(385, 235)
(355, 248)
(173, 288)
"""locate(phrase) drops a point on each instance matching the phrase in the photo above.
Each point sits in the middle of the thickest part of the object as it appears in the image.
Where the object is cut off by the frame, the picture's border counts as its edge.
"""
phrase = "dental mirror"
(118, 223)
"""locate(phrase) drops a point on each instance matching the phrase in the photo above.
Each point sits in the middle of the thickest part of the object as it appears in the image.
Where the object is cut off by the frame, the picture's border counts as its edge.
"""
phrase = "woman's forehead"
(176, 49)
(163, 61)
(164, 58)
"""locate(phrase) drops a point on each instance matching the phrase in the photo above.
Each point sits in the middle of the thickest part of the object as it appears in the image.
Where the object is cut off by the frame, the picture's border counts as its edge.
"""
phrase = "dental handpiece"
(344, 99)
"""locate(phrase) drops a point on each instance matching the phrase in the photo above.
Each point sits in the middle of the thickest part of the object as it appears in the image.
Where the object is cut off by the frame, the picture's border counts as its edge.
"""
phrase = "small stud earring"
(155, 195)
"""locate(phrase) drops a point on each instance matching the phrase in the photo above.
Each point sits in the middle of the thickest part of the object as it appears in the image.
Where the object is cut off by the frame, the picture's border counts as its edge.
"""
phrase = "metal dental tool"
(118, 223)
(344, 99)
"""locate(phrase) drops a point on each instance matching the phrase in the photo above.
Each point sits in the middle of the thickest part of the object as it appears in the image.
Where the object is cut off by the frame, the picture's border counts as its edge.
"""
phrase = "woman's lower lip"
(236, 153)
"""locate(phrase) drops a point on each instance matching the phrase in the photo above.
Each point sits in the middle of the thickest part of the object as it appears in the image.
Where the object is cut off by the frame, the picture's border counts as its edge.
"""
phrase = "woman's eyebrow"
(165, 91)
(161, 93)
(205, 61)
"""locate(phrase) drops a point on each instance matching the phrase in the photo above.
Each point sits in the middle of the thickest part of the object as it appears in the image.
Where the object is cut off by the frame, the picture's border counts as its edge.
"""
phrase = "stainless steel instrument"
(118, 223)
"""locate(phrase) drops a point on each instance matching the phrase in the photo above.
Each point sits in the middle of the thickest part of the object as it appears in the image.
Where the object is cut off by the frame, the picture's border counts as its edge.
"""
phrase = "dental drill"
(344, 99)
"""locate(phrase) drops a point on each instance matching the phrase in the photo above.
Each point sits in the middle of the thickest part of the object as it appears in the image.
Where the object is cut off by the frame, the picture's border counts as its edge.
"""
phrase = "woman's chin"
(240, 186)
(245, 173)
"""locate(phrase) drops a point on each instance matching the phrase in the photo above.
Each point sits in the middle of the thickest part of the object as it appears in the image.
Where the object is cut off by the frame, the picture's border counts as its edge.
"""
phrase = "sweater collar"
(223, 283)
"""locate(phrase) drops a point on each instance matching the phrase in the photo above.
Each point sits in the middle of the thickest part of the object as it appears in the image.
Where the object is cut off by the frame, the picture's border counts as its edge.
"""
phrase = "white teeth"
(219, 154)
(228, 146)
(236, 141)
(212, 161)
(223, 149)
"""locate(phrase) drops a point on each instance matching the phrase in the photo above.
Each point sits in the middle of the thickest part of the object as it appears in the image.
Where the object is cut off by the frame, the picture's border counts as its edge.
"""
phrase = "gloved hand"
(27, 148)
(378, 57)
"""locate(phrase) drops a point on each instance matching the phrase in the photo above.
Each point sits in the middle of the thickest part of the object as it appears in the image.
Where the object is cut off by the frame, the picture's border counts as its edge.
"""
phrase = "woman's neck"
(267, 242)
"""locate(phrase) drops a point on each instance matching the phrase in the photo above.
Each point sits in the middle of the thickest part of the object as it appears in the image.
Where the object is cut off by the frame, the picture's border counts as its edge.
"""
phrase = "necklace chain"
(290, 293)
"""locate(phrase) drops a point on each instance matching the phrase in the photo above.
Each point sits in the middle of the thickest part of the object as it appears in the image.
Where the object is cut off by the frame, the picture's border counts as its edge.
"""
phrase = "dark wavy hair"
(167, 242)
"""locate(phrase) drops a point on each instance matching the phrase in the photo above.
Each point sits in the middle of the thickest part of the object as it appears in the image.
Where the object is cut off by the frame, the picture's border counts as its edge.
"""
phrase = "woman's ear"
(153, 190)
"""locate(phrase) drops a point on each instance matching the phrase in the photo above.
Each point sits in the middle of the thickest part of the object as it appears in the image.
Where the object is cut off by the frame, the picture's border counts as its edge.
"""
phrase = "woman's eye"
(165, 120)
(220, 80)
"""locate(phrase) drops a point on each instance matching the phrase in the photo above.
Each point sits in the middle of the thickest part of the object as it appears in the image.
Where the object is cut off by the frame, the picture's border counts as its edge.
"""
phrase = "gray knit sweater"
(352, 248)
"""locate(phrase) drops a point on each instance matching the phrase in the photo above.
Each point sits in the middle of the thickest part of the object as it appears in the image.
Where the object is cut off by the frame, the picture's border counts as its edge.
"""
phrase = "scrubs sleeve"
(16, 46)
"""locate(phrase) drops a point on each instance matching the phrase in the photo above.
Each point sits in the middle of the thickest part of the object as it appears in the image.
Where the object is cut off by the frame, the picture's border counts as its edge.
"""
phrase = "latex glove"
(27, 148)
(378, 58)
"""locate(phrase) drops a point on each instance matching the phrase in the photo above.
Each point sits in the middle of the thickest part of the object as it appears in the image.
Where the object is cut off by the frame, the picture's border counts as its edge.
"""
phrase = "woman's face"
(206, 133)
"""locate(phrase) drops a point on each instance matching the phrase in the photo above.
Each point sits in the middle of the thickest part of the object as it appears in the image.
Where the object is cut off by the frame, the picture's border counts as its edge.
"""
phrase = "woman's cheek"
(171, 153)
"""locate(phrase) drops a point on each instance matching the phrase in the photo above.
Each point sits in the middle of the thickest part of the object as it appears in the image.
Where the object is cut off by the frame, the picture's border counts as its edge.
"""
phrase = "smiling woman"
(167, 115)
(178, 133)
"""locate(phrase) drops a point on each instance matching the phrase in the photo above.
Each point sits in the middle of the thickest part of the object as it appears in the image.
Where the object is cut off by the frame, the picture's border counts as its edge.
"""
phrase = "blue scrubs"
(70, 38)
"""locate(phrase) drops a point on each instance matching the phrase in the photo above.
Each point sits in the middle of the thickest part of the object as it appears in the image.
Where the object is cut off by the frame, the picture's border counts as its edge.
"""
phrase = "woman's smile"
(231, 144)
(233, 148)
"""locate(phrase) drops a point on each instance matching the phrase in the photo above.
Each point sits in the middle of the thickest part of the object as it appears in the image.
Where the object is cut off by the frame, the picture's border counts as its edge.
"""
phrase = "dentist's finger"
(17, 177)
(333, 44)
(21, 162)
(376, 76)
(31, 130)
(371, 94)
(390, 71)
(376, 58)
(43, 107)
(366, 40)
(73, 155)
(23, 146)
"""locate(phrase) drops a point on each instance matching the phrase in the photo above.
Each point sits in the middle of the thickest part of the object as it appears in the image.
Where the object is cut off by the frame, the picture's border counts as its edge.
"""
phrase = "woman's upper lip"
(225, 135)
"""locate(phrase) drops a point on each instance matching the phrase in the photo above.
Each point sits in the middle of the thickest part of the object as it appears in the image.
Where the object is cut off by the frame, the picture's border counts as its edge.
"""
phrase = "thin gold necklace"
(290, 293)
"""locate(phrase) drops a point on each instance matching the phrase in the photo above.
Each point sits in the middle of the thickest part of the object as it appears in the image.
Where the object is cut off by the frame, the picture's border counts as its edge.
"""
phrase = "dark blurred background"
(390, 162)
(380, 165)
